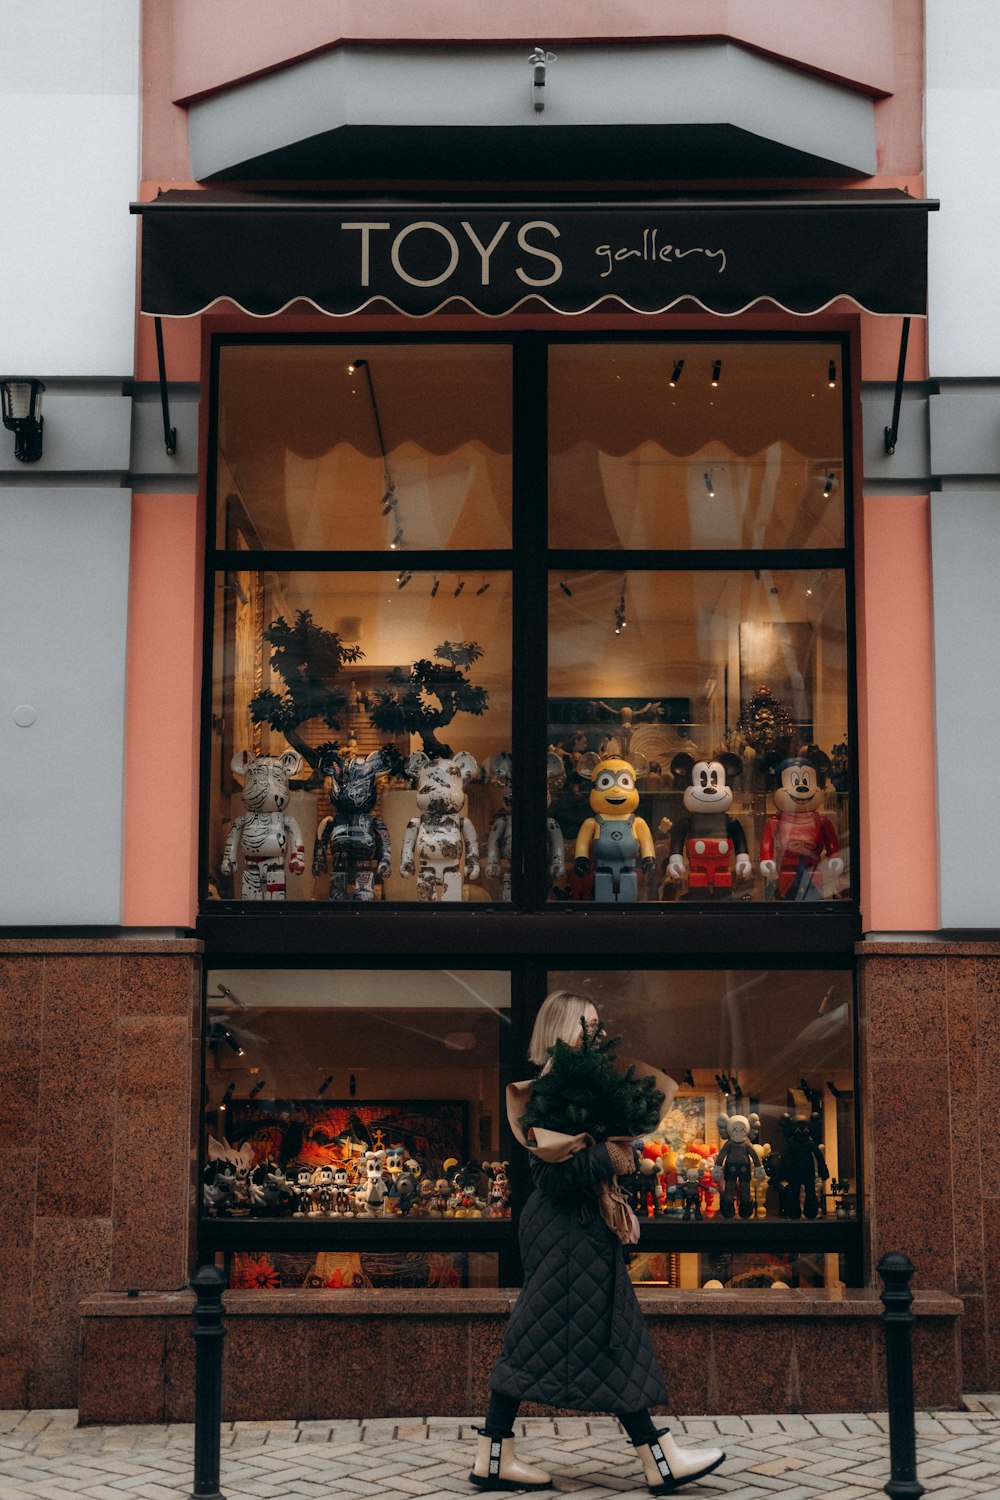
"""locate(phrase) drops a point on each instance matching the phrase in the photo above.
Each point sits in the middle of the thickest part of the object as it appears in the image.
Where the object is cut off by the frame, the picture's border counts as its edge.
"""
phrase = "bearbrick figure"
(794, 842)
(735, 1163)
(613, 835)
(707, 838)
(801, 1163)
(266, 835)
(355, 836)
(499, 771)
(440, 844)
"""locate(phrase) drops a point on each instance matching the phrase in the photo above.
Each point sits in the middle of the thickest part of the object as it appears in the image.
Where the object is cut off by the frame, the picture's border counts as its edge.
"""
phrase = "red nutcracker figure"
(794, 842)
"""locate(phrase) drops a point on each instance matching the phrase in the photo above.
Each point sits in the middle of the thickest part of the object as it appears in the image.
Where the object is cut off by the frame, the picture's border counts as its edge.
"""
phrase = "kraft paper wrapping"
(556, 1146)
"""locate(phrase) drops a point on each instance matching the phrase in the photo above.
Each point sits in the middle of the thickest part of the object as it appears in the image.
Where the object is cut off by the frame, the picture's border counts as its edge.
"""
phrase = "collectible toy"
(499, 771)
(794, 842)
(440, 844)
(801, 1163)
(707, 838)
(734, 1164)
(355, 836)
(371, 1195)
(265, 835)
(615, 837)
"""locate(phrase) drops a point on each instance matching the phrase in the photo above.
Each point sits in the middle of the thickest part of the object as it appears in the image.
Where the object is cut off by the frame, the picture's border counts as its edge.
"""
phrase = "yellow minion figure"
(613, 836)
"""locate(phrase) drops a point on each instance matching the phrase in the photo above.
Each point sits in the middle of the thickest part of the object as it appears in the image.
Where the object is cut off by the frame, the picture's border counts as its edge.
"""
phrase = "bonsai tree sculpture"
(308, 659)
(427, 696)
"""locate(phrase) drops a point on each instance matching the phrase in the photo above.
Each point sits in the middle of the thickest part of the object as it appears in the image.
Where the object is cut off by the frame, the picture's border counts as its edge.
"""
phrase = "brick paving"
(44, 1454)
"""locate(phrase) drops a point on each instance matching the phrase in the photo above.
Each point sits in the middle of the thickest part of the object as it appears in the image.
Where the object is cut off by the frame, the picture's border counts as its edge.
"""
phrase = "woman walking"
(577, 1337)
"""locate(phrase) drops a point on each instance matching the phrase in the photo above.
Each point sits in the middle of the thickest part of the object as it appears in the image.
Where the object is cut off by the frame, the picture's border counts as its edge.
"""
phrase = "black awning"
(799, 251)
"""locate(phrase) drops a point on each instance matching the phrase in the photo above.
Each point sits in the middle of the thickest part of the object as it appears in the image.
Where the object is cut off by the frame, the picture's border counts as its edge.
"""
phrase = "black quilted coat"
(576, 1336)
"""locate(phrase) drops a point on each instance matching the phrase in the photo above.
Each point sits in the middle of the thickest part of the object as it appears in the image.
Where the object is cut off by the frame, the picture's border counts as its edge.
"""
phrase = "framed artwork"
(687, 1120)
(321, 1131)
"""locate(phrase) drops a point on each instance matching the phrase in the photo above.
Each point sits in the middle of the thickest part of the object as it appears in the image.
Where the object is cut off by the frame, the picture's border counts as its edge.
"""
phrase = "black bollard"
(208, 1284)
(895, 1270)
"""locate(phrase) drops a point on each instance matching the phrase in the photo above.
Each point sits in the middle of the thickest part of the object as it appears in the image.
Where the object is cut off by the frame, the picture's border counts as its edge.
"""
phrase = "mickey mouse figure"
(794, 842)
(708, 836)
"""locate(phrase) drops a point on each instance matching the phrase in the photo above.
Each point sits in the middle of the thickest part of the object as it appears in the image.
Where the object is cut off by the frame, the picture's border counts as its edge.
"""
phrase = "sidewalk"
(43, 1453)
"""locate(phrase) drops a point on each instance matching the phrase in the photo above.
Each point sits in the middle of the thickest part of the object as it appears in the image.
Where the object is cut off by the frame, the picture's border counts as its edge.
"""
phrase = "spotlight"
(678, 368)
(566, 589)
(689, 1079)
(828, 486)
(325, 1085)
(620, 621)
(461, 586)
(716, 371)
(482, 588)
(435, 586)
(257, 1088)
(403, 578)
(352, 1085)
(388, 501)
(21, 404)
(710, 487)
(230, 1091)
(397, 540)
(831, 374)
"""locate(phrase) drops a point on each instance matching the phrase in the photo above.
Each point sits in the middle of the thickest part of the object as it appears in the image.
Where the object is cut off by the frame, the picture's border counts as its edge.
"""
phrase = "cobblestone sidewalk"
(44, 1454)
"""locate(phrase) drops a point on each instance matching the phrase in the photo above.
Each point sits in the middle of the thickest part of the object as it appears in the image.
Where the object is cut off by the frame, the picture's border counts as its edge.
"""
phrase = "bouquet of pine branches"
(583, 1091)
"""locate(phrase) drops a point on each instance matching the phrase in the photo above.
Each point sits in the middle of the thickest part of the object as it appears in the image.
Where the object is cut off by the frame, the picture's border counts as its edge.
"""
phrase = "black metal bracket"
(169, 433)
(891, 433)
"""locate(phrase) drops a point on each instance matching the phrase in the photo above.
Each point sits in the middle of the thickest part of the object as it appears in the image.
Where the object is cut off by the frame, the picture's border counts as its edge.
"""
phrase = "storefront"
(532, 498)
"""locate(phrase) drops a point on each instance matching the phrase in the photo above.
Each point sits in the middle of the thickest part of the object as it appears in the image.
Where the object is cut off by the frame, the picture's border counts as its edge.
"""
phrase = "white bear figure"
(440, 844)
(265, 835)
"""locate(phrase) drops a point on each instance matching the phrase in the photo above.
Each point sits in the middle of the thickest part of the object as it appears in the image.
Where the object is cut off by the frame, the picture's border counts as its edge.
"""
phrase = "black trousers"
(502, 1412)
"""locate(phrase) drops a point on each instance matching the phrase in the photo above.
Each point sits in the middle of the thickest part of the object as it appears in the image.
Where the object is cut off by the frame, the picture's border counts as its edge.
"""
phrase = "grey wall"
(64, 586)
(965, 526)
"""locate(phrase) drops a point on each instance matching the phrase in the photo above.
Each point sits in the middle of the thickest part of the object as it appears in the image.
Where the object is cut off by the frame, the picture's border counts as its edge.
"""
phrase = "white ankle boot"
(667, 1467)
(498, 1467)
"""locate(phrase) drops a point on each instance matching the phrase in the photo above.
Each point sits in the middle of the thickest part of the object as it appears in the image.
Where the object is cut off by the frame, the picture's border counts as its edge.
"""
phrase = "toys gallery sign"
(800, 251)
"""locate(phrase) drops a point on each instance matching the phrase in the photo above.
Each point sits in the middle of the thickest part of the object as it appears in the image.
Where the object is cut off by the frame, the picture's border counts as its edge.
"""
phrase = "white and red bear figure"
(794, 842)
(266, 835)
(440, 845)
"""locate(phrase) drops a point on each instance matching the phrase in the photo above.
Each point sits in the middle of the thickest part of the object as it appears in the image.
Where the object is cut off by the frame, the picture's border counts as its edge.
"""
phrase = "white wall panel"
(64, 584)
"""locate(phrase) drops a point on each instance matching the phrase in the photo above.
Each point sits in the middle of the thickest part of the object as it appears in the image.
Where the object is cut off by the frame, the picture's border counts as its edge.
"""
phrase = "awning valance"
(799, 251)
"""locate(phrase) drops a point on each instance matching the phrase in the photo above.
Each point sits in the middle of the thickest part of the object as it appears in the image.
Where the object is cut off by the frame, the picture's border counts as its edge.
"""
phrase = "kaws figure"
(265, 835)
(355, 836)
(650, 1191)
(735, 1163)
(759, 1186)
(708, 836)
(794, 842)
(615, 837)
(440, 844)
(801, 1163)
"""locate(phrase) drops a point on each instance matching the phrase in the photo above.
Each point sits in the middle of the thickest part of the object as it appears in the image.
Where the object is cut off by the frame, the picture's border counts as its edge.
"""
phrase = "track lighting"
(230, 1091)
(388, 501)
(461, 586)
(403, 578)
(434, 587)
(620, 621)
(325, 1085)
(482, 588)
(397, 540)
(831, 375)
(688, 1078)
(257, 1088)
(678, 368)
(716, 371)
(710, 487)
(828, 486)
(352, 1085)
(566, 589)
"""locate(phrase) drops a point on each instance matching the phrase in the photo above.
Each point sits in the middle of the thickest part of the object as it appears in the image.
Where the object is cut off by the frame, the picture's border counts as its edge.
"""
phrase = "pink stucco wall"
(898, 849)
(162, 712)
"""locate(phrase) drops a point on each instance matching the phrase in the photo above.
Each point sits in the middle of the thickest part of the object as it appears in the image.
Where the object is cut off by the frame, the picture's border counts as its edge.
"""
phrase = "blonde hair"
(557, 1020)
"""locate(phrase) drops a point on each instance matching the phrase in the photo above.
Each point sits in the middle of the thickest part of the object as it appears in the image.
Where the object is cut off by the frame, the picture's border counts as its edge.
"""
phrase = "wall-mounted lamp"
(539, 60)
(678, 370)
(22, 415)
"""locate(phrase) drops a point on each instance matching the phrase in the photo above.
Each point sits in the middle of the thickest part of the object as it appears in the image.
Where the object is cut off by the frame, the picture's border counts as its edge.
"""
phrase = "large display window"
(448, 575)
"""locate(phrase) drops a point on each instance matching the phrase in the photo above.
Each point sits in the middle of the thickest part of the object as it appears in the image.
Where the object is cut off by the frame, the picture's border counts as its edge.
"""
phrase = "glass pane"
(356, 1097)
(739, 1270)
(679, 673)
(773, 1046)
(341, 447)
(359, 720)
(696, 445)
(349, 1270)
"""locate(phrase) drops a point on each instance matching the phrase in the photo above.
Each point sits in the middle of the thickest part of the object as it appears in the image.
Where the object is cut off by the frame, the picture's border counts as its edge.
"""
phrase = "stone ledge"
(10, 947)
(837, 1302)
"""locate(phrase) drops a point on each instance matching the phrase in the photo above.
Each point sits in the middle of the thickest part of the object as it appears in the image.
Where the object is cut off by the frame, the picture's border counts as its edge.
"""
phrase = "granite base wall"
(300, 1355)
